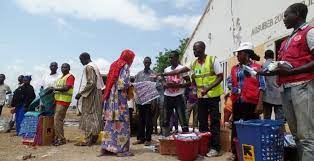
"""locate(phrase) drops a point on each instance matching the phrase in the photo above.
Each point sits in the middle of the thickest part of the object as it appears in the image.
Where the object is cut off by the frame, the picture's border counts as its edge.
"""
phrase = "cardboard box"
(167, 147)
(47, 130)
(225, 139)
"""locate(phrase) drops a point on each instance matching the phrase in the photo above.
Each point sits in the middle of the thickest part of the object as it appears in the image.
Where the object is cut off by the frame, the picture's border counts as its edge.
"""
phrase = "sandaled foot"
(59, 143)
(105, 153)
(212, 153)
(138, 142)
(231, 158)
(148, 143)
(126, 154)
(81, 144)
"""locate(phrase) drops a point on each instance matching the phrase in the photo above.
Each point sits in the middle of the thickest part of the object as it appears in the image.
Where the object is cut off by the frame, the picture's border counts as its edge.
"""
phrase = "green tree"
(162, 60)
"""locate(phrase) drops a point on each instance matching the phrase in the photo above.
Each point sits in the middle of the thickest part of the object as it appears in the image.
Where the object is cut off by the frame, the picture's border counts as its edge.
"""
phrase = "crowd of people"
(184, 90)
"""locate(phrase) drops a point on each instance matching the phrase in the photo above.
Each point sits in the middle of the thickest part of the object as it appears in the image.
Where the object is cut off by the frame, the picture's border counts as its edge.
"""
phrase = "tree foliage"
(162, 60)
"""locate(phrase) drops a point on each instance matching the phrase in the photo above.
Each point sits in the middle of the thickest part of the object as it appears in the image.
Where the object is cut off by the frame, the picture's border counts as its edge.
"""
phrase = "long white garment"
(100, 83)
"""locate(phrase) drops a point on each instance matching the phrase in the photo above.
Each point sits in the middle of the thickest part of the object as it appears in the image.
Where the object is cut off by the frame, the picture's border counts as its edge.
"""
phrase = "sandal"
(81, 144)
(58, 143)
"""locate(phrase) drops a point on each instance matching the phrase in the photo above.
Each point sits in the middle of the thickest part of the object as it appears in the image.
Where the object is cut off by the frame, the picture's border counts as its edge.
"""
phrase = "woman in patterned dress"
(116, 113)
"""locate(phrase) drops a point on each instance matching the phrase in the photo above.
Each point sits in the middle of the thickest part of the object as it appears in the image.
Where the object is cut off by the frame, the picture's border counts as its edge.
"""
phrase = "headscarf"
(27, 78)
(126, 57)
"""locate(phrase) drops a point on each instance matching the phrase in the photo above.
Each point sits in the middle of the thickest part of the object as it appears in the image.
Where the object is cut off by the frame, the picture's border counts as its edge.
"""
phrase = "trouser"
(244, 111)
(131, 120)
(156, 113)
(210, 106)
(268, 109)
(192, 108)
(59, 121)
(161, 107)
(145, 123)
(19, 118)
(298, 103)
(174, 120)
(177, 103)
(1, 106)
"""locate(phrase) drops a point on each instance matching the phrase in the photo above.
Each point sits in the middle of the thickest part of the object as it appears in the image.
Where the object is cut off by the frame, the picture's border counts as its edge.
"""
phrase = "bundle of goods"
(187, 146)
(261, 140)
(4, 125)
(145, 92)
(29, 124)
(48, 101)
(37, 129)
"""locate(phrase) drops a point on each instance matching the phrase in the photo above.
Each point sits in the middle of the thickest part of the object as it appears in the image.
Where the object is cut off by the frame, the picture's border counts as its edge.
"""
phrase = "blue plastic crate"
(261, 140)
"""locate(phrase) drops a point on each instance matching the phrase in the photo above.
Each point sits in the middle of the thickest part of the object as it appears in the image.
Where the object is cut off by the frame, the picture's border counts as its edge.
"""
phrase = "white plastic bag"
(4, 125)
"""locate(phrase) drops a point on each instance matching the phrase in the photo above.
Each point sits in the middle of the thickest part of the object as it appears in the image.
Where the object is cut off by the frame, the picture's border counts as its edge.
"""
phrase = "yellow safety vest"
(204, 76)
(64, 96)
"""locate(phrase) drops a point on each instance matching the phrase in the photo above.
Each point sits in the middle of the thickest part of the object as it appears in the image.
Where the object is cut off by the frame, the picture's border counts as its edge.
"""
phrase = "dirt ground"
(11, 149)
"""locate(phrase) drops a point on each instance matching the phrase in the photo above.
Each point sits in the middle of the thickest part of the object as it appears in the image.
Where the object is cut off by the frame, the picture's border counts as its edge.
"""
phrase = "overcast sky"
(34, 33)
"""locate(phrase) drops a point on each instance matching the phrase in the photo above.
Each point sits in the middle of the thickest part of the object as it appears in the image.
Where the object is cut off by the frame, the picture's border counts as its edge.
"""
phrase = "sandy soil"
(11, 149)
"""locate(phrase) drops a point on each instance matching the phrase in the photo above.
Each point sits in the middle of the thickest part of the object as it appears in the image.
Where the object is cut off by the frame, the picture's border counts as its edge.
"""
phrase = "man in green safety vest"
(207, 73)
(63, 97)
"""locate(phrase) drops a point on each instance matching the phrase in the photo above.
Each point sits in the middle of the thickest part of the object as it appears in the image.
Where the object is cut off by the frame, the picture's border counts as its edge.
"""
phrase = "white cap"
(245, 46)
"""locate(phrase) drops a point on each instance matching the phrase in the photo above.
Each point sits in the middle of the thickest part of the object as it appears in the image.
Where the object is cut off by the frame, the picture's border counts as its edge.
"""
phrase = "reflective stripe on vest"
(204, 76)
(64, 96)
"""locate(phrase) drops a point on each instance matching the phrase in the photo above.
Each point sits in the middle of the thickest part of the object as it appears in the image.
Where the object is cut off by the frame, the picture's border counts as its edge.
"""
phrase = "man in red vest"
(298, 80)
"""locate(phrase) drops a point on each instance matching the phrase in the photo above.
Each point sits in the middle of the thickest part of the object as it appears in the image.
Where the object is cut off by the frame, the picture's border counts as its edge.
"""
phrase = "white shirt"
(178, 79)
(50, 80)
(310, 39)
(309, 36)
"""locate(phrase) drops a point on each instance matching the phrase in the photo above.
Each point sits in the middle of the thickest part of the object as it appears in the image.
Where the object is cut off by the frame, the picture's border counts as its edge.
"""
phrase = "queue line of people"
(109, 110)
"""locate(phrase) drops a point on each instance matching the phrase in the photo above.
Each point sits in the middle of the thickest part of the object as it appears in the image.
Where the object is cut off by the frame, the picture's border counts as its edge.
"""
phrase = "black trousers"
(244, 111)
(1, 106)
(145, 123)
(210, 106)
(177, 103)
(131, 120)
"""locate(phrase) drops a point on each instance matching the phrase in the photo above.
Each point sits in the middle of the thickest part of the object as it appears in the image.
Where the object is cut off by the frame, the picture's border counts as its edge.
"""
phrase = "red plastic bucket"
(203, 143)
(187, 150)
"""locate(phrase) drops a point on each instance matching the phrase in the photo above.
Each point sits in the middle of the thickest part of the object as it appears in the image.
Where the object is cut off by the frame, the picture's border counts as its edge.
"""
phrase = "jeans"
(177, 103)
(174, 122)
(145, 123)
(268, 109)
(298, 103)
(210, 106)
